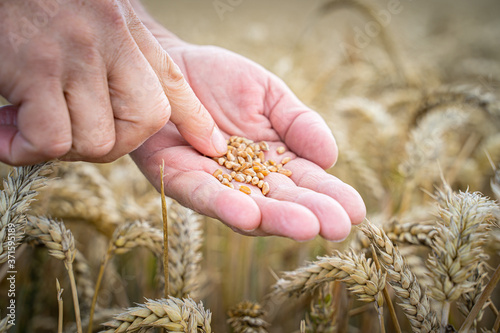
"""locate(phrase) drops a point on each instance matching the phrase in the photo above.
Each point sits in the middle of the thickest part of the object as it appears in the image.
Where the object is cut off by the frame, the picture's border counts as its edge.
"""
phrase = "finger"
(333, 219)
(307, 174)
(188, 178)
(91, 115)
(287, 219)
(193, 121)
(42, 130)
(295, 122)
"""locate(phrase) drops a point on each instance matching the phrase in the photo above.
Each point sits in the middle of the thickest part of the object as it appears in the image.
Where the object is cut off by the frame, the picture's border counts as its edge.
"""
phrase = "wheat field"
(415, 108)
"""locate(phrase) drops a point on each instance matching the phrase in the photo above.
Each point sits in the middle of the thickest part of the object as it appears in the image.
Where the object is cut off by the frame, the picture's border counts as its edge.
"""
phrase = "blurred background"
(410, 90)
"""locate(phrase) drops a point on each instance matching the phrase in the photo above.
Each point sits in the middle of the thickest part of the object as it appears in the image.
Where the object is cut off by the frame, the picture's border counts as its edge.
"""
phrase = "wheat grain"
(19, 189)
(172, 314)
(412, 297)
(247, 317)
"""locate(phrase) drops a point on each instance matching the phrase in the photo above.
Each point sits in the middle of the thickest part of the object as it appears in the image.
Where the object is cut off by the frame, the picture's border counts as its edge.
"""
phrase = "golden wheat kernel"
(221, 160)
(285, 172)
(264, 146)
(280, 150)
(229, 164)
(256, 168)
(230, 157)
(240, 139)
(260, 183)
(233, 173)
(279, 166)
(262, 156)
(241, 160)
(249, 172)
(228, 177)
(257, 160)
(236, 166)
(251, 154)
(217, 173)
(265, 172)
(239, 177)
(233, 138)
(255, 180)
(230, 185)
(285, 160)
(249, 158)
(272, 162)
(245, 189)
(248, 179)
(265, 188)
(260, 175)
(273, 168)
(225, 181)
(220, 178)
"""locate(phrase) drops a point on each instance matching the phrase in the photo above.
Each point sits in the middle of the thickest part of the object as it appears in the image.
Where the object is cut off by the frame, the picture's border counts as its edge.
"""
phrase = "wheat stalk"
(126, 237)
(19, 189)
(61, 245)
(412, 297)
(359, 273)
(172, 314)
(495, 183)
(247, 317)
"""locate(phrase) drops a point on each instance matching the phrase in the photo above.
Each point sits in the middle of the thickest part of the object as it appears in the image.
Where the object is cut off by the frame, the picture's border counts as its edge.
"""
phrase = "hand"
(83, 80)
(246, 100)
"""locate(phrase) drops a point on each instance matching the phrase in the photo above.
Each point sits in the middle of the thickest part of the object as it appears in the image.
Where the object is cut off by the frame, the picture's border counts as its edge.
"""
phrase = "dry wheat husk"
(247, 317)
(172, 314)
(357, 272)
(464, 219)
(467, 300)
(19, 190)
(412, 297)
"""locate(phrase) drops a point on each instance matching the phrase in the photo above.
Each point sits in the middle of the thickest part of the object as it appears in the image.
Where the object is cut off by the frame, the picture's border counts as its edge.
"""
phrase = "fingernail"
(218, 141)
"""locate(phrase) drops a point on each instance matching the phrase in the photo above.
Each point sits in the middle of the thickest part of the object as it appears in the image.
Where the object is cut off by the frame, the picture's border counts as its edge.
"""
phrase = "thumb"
(192, 119)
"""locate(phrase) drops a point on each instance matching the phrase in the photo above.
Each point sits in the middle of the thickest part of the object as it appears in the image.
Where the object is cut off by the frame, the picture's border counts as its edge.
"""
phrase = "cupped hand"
(87, 81)
(246, 100)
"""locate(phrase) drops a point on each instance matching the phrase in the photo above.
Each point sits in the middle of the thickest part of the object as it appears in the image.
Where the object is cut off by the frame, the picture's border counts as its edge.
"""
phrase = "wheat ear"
(412, 297)
(411, 233)
(184, 251)
(125, 238)
(464, 219)
(61, 245)
(322, 314)
(172, 314)
(359, 273)
(247, 317)
(19, 189)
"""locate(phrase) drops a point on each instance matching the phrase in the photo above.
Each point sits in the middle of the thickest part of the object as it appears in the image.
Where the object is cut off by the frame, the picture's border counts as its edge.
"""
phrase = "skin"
(247, 100)
(84, 85)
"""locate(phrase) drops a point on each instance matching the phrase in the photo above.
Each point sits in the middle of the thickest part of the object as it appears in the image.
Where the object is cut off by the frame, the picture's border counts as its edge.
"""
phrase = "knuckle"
(54, 147)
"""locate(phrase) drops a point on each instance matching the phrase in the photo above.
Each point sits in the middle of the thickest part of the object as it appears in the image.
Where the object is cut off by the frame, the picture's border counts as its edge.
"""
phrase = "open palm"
(246, 100)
